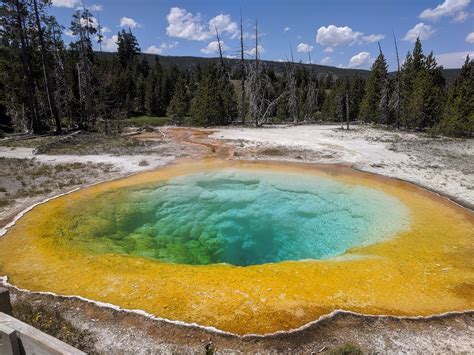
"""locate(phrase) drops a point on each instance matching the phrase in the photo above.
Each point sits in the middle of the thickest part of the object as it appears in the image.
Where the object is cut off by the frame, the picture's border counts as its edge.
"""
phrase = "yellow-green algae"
(426, 269)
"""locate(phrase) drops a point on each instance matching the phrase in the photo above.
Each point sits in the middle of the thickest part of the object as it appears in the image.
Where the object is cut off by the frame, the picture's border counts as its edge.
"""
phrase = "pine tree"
(215, 100)
(422, 90)
(206, 107)
(458, 117)
(153, 90)
(356, 94)
(127, 47)
(374, 103)
(179, 104)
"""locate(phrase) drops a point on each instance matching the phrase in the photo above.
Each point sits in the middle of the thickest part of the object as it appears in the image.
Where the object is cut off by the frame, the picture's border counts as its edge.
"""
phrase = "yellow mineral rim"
(426, 269)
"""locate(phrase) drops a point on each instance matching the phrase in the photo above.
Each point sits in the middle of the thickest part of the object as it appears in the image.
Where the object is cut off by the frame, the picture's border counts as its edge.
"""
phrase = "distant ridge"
(190, 62)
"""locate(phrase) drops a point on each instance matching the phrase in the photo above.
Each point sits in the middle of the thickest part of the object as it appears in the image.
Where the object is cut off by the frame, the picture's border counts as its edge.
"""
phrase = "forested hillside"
(46, 85)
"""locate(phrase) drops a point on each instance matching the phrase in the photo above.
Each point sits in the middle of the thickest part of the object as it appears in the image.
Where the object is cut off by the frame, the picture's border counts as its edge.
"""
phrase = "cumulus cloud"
(109, 44)
(326, 60)
(96, 7)
(129, 22)
(420, 30)
(361, 60)
(286, 29)
(69, 33)
(213, 47)
(251, 52)
(335, 36)
(453, 60)
(223, 23)
(470, 38)
(71, 4)
(451, 8)
(184, 24)
(91, 22)
(162, 48)
(328, 50)
(304, 48)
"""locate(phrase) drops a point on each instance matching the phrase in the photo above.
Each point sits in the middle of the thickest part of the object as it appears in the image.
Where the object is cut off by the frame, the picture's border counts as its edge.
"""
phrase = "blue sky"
(338, 33)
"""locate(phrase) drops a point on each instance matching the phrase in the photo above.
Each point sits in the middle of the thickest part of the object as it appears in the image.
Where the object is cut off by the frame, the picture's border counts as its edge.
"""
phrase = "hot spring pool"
(240, 218)
(249, 247)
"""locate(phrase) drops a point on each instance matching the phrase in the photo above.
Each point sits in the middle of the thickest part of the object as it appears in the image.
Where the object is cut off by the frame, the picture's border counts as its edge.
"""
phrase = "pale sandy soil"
(440, 164)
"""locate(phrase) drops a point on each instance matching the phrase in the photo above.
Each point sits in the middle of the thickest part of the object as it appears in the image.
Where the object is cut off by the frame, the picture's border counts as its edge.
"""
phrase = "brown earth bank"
(445, 166)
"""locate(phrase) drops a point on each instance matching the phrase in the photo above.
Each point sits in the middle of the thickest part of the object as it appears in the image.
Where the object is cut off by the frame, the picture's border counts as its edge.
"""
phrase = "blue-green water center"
(241, 218)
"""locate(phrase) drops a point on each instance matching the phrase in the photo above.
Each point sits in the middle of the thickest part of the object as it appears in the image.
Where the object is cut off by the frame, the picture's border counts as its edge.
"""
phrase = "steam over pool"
(241, 218)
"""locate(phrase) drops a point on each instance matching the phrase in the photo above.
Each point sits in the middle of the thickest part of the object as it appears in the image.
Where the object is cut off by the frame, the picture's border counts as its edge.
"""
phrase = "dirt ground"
(440, 164)
(36, 169)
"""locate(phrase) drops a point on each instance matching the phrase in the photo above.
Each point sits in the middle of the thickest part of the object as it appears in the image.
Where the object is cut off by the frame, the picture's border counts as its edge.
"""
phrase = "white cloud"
(109, 44)
(213, 47)
(251, 52)
(66, 3)
(223, 24)
(304, 48)
(162, 48)
(105, 29)
(420, 30)
(326, 60)
(91, 23)
(328, 50)
(184, 24)
(129, 22)
(470, 38)
(461, 16)
(69, 33)
(96, 7)
(286, 29)
(335, 36)
(453, 60)
(361, 60)
(450, 8)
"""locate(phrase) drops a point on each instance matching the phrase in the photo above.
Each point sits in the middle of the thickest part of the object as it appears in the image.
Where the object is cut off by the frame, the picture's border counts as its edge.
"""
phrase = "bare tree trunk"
(27, 72)
(220, 50)
(347, 109)
(256, 63)
(46, 74)
(242, 71)
(398, 82)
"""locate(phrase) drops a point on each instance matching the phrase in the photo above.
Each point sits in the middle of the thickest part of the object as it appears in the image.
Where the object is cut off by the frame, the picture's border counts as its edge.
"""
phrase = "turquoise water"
(245, 218)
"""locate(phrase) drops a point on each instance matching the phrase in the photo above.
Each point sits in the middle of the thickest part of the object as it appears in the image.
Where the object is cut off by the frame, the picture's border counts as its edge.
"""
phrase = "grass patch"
(87, 143)
(347, 349)
(142, 121)
(4, 202)
(27, 143)
(22, 178)
(53, 323)
(274, 152)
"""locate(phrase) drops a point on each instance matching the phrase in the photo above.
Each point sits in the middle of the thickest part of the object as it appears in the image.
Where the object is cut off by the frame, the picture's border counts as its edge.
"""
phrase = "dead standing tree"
(396, 99)
(292, 91)
(260, 90)
(83, 27)
(242, 72)
(45, 66)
